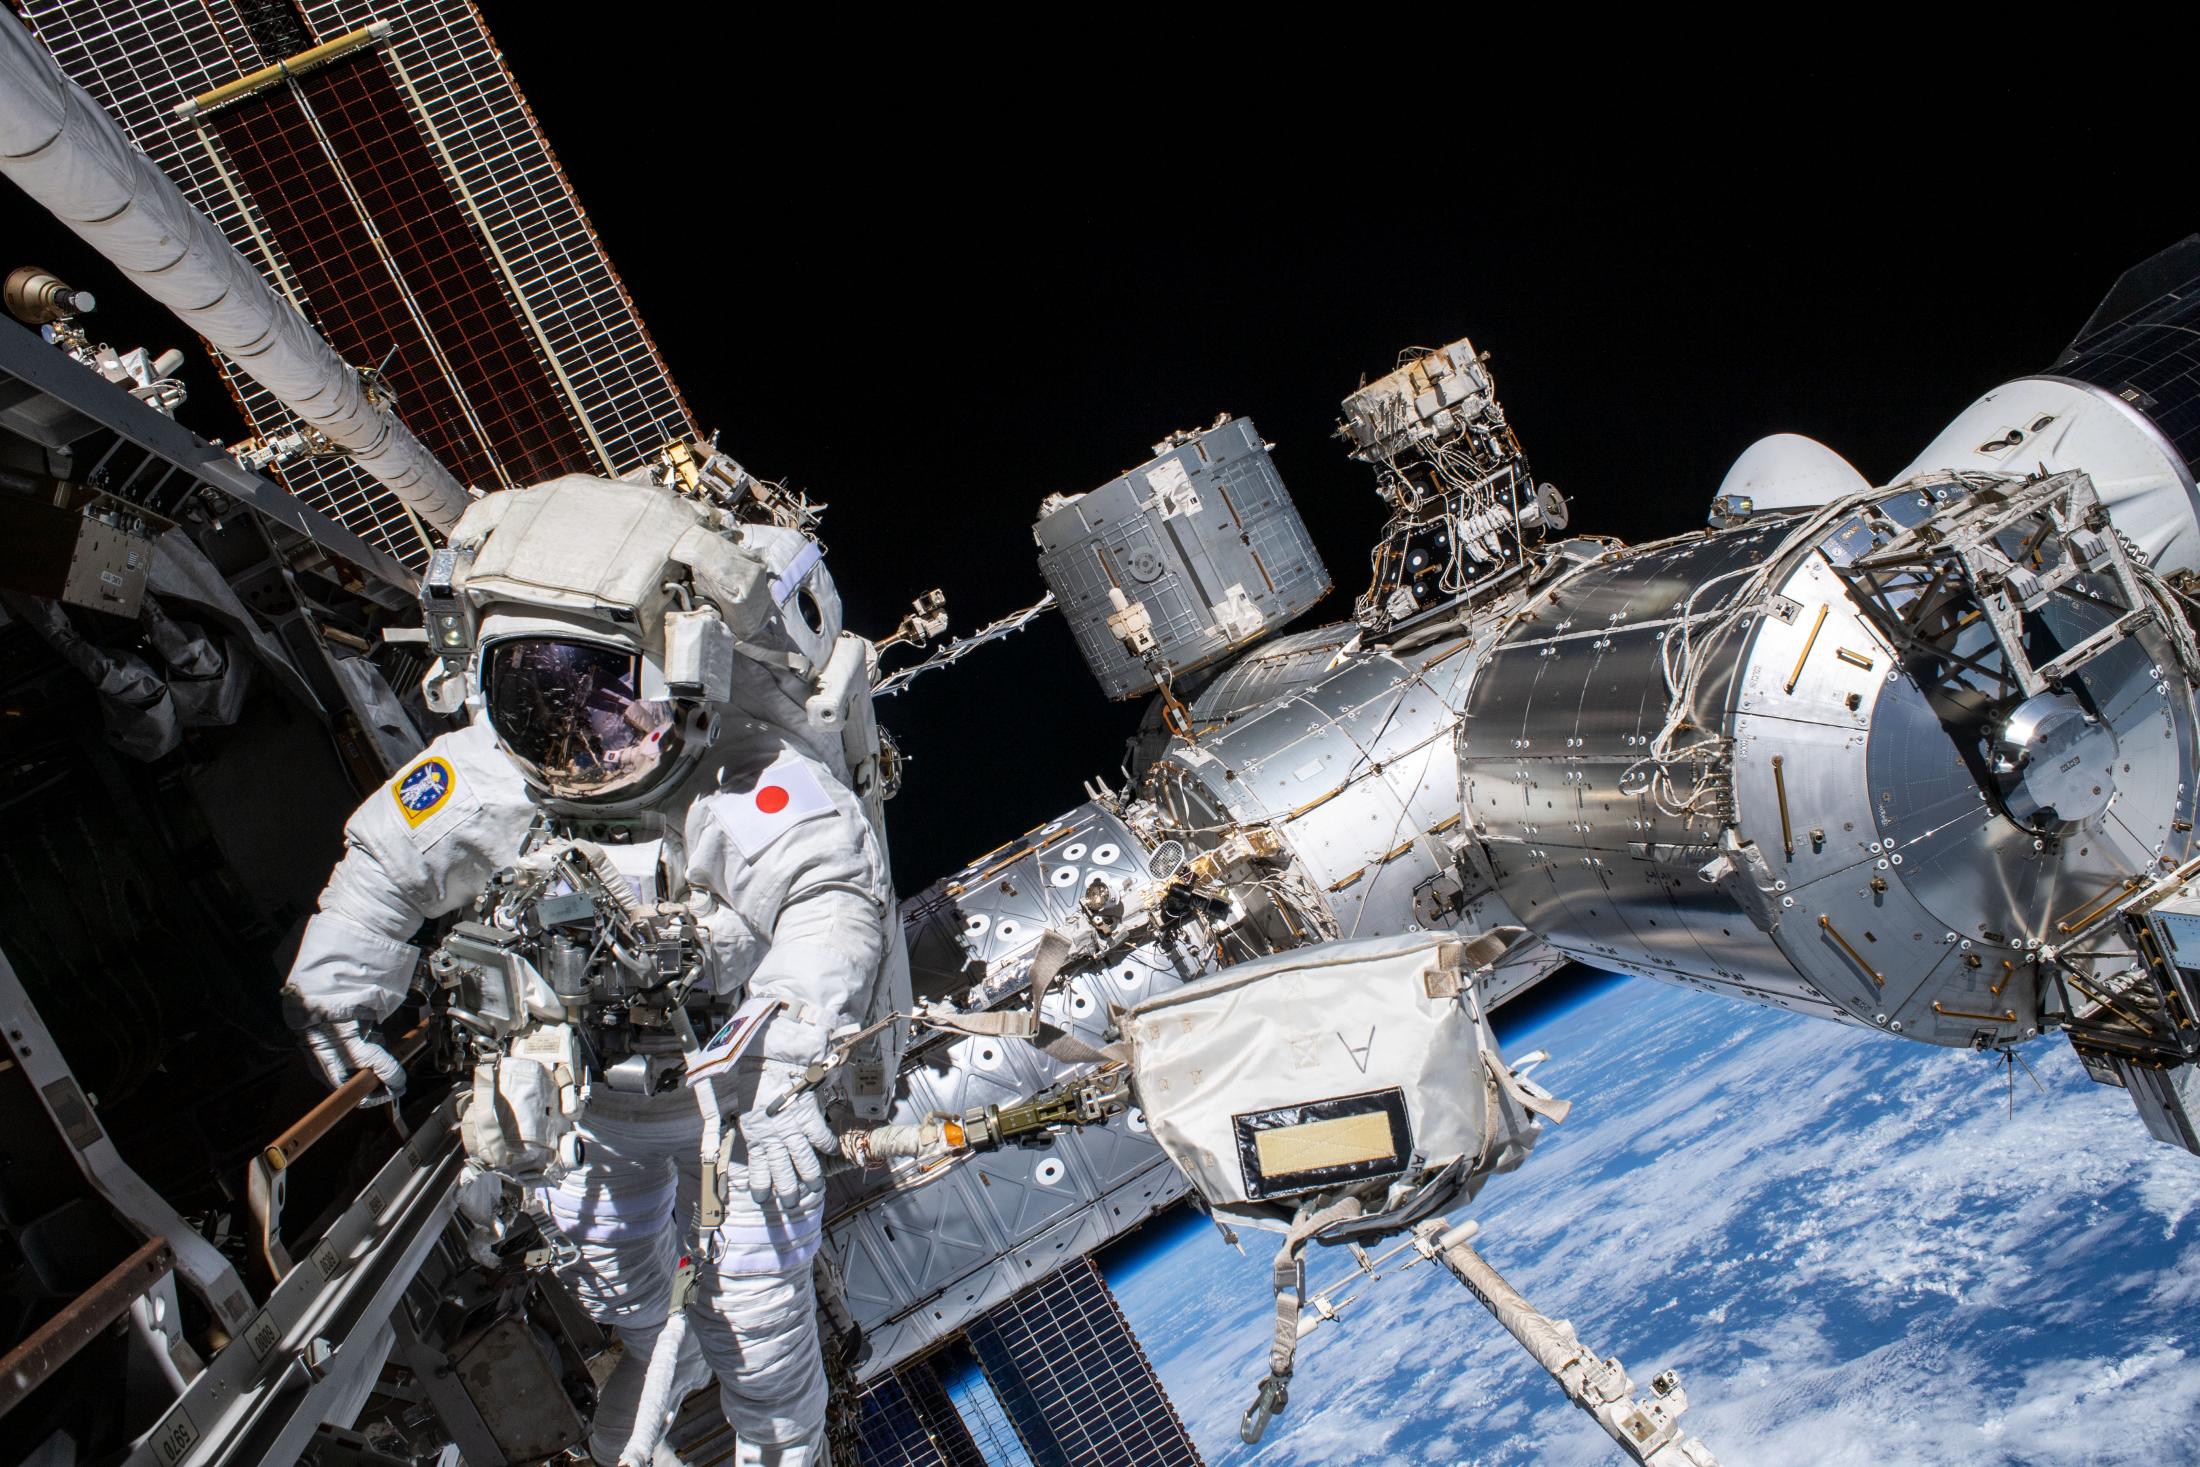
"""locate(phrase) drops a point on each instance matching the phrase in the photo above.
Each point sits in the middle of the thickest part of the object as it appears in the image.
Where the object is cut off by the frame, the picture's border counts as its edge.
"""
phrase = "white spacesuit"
(595, 626)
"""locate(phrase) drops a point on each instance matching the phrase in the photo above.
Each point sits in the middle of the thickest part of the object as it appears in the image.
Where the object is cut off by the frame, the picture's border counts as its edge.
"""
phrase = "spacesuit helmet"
(602, 628)
(571, 714)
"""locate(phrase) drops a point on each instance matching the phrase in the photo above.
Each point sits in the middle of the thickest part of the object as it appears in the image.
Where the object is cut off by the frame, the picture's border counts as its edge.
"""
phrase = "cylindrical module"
(1762, 762)
(1354, 771)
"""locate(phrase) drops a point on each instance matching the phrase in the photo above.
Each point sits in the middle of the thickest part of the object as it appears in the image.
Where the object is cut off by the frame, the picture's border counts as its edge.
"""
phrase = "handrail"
(55, 1343)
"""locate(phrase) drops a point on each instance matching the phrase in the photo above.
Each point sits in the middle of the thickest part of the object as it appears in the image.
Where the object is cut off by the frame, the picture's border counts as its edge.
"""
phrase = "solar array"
(910, 1421)
(897, 1434)
(2150, 355)
(403, 197)
(1060, 1361)
(1063, 1360)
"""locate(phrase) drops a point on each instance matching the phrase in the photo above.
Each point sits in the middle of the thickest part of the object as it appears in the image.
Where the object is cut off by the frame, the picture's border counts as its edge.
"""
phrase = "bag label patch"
(1319, 1144)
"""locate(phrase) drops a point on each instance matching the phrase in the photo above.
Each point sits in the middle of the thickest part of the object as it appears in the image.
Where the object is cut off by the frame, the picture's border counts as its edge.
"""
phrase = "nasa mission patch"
(423, 789)
(786, 794)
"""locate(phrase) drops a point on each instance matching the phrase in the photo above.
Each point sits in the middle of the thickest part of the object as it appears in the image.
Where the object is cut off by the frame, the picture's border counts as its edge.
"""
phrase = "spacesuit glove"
(792, 1042)
(341, 1050)
(783, 1149)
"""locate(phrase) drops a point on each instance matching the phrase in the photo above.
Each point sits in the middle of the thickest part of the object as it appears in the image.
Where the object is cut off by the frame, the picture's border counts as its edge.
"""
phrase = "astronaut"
(646, 674)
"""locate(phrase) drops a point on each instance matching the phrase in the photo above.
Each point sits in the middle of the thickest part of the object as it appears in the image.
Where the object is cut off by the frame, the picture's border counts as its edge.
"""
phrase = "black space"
(934, 306)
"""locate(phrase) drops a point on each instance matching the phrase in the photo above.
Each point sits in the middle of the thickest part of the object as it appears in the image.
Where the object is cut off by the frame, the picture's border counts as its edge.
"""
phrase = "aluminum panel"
(981, 925)
(922, 1261)
(940, 1232)
(1203, 535)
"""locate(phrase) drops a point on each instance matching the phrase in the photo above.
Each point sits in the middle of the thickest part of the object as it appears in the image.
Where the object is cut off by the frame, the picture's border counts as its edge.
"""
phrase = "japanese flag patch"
(786, 794)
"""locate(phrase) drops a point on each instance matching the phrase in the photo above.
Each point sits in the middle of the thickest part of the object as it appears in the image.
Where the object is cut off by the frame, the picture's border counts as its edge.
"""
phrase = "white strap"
(1551, 1109)
(1047, 962)
(1289, 1279)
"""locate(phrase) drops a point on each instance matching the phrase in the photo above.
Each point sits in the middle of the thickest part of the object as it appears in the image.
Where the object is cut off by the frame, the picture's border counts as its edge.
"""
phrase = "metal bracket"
(325, 1329)
(1933, 581)
(198, 1261)
(267, 1176)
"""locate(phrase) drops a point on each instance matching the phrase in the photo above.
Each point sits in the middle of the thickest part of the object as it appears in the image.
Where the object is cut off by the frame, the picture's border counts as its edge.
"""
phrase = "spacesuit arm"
(795, 859)
(356, 960)
(401, 868)
(825, 947)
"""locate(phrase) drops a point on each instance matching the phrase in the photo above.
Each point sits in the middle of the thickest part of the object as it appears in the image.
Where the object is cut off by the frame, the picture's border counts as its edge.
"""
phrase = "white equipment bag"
(1352, 1068)
(1333, 1093)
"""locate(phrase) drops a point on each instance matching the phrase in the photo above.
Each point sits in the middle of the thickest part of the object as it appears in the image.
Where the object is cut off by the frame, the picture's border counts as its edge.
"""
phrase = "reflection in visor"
(573, 713)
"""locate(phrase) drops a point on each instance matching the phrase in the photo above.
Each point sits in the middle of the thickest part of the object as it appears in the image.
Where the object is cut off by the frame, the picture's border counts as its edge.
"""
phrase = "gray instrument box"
(1203, 535)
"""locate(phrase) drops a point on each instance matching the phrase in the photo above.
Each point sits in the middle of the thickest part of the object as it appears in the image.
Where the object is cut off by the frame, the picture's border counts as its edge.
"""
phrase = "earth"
(1847, 1244)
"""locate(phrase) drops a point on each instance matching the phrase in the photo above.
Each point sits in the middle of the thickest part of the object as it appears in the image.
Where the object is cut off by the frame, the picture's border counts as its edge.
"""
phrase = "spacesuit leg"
(754, 1311)
(756, 1315)
(620, 1210)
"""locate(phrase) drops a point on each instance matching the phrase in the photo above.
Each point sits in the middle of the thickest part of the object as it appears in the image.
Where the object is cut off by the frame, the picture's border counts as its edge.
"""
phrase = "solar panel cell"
(2148, 357)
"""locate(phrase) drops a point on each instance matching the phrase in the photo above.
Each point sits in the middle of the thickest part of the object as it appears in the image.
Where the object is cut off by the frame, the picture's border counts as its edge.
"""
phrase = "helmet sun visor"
(571, 712)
